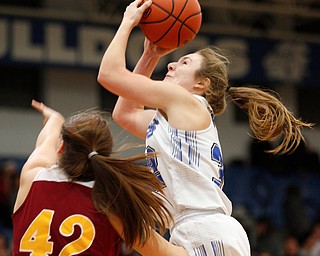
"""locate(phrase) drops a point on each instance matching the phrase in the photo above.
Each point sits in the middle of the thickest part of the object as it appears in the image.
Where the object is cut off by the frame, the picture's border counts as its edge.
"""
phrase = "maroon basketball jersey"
(58, 218)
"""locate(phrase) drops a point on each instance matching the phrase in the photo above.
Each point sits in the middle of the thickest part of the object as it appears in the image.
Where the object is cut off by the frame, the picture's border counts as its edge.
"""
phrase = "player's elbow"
(103, 78)
(122, 118)
(111, 78)
(118, 116)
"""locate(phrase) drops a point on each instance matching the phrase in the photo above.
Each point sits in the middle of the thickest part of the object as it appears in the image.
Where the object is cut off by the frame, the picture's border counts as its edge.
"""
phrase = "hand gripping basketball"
(171, 23)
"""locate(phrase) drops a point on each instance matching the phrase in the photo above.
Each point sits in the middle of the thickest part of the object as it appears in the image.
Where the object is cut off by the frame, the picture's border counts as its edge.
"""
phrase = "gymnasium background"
(50, 50)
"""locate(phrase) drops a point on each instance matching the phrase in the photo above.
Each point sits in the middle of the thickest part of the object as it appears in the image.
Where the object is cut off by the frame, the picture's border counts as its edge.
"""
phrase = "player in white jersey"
(178, 124)
(193, 160)
(193, 176)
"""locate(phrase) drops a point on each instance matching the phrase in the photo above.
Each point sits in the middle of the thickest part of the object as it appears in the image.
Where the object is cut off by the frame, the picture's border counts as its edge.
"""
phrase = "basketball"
(171, 23)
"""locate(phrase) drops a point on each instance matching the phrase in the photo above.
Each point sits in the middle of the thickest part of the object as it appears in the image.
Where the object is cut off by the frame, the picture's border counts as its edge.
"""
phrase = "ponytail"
(122, 187)
(269, 119)
(132, 193)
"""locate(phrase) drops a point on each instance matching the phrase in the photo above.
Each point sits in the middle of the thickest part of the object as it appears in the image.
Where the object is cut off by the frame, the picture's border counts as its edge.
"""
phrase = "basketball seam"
(160, 7)
(164, 34)
(170, 14)
(176, 19)
(186, 25)
(183, 24)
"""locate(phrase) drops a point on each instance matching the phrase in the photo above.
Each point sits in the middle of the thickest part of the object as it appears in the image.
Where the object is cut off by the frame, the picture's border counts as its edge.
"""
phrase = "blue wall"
(263, 192)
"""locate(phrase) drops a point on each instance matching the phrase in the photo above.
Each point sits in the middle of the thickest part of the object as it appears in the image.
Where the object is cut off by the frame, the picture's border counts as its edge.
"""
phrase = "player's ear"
(60, 147)
(203, 84)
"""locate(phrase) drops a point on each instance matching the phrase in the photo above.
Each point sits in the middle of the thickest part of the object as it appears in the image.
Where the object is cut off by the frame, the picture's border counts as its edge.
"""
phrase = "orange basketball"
(171, 23)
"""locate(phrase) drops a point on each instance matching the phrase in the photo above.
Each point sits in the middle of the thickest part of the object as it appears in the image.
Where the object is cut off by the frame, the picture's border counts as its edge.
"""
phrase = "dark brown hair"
(122, 186)
(269, 119)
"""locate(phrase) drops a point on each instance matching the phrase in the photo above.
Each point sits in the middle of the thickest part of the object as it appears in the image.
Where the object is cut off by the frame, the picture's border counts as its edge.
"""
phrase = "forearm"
(157, 245)
(154, 245)
(145, 66)
(114, 57)
(51, 130)
(113, 72)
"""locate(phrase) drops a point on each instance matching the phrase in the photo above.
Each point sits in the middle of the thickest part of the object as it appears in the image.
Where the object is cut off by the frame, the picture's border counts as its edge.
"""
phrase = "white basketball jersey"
(189, 163)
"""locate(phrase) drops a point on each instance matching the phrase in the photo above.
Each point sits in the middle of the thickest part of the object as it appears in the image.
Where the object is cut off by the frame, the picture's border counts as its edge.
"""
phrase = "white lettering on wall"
(22, 47)
(287, 62)
(57, 51)
(93, 43)
(3, 36)
(46, 42)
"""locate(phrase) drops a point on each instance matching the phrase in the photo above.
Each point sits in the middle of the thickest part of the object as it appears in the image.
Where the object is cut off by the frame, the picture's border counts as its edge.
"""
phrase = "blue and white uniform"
(190, 165)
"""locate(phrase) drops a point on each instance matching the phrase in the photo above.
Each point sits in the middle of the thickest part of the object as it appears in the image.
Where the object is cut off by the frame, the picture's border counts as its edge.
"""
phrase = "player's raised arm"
(45, 151)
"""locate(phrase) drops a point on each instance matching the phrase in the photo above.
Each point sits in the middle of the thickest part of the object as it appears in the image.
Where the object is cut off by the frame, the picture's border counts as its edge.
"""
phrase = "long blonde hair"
(269, 119)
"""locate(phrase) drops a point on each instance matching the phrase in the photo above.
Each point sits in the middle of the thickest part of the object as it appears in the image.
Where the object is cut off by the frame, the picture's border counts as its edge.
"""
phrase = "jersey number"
(37, 236)
(153, 164)
(216, 156)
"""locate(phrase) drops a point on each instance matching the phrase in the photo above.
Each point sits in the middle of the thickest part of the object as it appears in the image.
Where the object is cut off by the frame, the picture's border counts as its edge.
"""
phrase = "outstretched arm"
(45, 152)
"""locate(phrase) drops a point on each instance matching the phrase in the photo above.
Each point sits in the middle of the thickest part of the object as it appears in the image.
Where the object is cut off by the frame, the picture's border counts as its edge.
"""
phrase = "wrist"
(151, 55)
(127, 23)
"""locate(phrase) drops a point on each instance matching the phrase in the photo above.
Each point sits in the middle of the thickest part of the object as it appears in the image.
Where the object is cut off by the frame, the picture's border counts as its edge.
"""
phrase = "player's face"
(183, 71)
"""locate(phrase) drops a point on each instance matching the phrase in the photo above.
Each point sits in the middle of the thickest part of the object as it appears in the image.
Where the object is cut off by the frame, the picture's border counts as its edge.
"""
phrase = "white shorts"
(203, 234)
